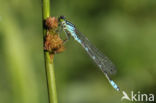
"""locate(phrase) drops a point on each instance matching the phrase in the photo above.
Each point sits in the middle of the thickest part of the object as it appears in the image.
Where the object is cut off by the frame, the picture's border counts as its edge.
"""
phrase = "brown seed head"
(53, 43)
(51, 23)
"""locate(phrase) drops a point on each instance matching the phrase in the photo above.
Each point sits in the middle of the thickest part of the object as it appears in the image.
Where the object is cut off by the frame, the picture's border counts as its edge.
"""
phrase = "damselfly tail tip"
(114, 85)
(118, 89)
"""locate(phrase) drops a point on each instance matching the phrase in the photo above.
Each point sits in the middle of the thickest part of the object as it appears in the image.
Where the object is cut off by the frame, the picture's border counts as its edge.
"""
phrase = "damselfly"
(102, 61)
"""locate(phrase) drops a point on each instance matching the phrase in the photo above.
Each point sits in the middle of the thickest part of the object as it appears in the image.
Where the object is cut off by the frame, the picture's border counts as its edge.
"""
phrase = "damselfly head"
(61, 18)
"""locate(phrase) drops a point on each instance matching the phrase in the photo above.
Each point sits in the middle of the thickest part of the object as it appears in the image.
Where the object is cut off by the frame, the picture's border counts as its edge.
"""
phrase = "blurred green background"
(125, 30)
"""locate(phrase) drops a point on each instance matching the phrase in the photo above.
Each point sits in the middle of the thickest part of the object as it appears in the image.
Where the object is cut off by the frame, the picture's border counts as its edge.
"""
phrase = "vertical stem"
(49, 67)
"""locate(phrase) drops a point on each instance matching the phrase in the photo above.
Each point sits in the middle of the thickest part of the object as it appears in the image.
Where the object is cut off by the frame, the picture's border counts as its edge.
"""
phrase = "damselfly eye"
(61, 18)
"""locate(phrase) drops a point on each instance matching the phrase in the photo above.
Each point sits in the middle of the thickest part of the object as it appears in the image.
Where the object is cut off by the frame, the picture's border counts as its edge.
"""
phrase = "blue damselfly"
(102, 61)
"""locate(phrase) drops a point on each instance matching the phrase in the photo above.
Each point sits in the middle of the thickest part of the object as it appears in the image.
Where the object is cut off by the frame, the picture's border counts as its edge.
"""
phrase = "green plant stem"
(49, 67)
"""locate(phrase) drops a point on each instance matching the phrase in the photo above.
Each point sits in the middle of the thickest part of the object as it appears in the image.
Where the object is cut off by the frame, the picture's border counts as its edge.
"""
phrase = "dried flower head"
(51, 23)
(53, 44)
